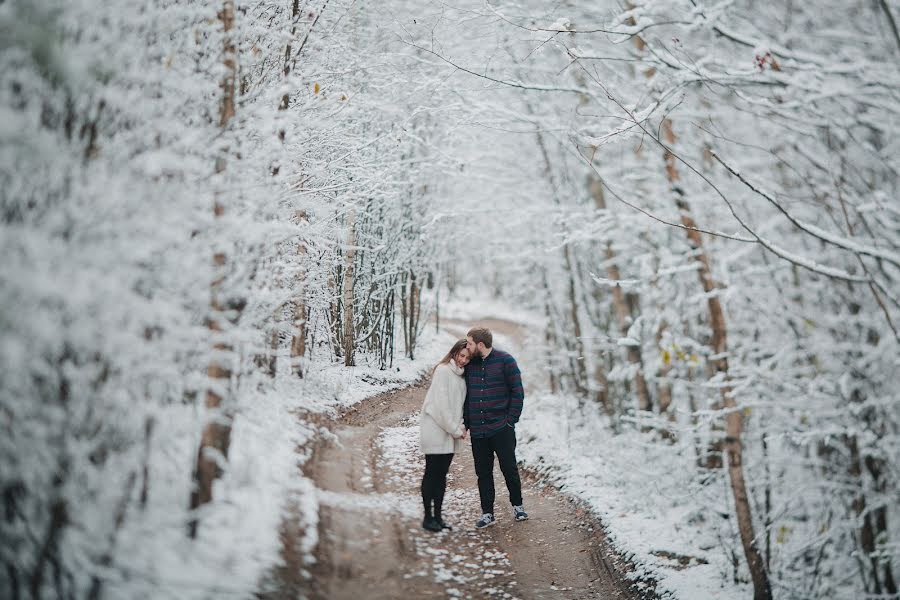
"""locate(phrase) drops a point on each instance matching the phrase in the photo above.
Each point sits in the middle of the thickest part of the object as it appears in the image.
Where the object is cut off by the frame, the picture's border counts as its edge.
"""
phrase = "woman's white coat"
(441, 420)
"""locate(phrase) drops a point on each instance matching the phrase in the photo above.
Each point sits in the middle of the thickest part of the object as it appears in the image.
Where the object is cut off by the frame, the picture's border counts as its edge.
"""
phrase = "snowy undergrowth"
(645, 493)
(238, 540)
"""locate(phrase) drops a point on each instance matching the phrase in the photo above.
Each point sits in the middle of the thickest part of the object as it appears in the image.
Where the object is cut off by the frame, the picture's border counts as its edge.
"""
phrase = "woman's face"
(462, 358)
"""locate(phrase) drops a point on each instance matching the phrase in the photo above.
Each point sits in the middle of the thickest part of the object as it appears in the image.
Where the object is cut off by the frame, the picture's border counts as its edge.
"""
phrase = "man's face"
(471, 346)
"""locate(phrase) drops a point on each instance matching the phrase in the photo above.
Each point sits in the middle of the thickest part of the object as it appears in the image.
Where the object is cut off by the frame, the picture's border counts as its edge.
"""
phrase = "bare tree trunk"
(734, 418)
(767, 506)
(559, 336)
(59, 519)
(866, 531)
(106, 560)
(149, 424)
(580, 372)
(890, 18)
(437, 304)
(298, 336)
(335, 329)
(349, 334)
(601, 393)
(286, 69)
(389, 326)
(415, 305)
(216, 436)
(404, 312)
(550, 339)
(577, 362)
(873, 529)
(620, 306)
(274, 343)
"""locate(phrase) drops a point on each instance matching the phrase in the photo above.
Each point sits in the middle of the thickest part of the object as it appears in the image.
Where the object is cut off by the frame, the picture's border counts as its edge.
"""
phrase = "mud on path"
(372, 546)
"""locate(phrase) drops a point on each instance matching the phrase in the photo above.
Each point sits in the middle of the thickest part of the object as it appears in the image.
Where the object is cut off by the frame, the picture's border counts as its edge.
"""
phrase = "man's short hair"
(483, 335)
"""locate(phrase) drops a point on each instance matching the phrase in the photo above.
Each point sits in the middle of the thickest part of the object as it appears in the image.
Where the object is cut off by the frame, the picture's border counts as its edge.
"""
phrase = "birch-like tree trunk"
(216, 436)
(734, 418)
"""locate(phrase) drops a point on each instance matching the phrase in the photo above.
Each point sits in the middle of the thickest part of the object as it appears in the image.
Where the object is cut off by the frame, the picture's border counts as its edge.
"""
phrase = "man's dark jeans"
(503, 444)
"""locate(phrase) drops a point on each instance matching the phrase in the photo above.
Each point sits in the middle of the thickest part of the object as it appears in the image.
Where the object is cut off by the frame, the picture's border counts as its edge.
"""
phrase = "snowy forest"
(225, 224)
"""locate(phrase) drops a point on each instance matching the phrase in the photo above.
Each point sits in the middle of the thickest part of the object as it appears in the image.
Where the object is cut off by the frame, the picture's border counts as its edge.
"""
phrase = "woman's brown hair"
(458, 347)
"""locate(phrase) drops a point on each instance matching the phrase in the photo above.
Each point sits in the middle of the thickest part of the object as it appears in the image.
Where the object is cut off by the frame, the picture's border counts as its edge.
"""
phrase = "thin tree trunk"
(767, 499)
(577, 360)
(298, 337)
(59, 519)
(404, 312)
(415, 305)
(437, 304)
(106, 560)
(389, 325)
(349, 338)
(149, 424)
(216, 436)
(560, 336)
(286, 70)
(335, 327)
(891, 21)
(580, 372)
(881, 565)
(866, 531)
(620, 306)
(665, 389)
(274, 343)
(551, 348)
(298, 340)
(734, 418)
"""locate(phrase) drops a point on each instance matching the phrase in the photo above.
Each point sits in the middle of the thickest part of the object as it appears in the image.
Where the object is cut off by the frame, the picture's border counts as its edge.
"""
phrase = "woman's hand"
(465, 433)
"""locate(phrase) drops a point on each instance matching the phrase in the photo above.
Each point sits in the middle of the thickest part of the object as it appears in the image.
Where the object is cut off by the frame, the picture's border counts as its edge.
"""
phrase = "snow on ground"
(641, 489)
(469, 304)
(490, 573)
(644, 491)
(238, 539)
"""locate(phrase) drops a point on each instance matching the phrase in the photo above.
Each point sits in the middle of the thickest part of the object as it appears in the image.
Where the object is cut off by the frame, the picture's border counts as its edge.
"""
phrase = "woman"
(441, 430)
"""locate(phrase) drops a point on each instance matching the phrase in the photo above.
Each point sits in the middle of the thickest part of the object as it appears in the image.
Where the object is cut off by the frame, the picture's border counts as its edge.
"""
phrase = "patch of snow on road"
(462, 557)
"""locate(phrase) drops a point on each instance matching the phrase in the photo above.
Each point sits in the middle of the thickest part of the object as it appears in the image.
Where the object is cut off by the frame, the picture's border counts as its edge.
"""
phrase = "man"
(494, 399)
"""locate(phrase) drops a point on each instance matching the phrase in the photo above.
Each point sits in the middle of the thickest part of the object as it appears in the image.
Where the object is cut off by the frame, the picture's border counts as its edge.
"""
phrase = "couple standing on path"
(476, 390)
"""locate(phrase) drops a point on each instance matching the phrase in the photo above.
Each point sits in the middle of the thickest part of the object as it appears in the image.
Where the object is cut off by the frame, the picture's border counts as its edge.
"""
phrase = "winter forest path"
(371, 543)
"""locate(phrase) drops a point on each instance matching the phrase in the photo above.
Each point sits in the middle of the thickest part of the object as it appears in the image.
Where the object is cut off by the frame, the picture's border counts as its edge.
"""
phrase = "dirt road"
(372, 546)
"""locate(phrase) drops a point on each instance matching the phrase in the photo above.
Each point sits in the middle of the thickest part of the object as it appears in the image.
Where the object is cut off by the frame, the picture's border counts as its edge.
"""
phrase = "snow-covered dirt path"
(371, 543)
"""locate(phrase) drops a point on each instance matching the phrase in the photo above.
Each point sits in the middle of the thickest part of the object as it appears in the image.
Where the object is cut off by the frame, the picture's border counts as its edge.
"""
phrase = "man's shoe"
(444, 525)
(520, 513)
(486, 520)
(431, 524)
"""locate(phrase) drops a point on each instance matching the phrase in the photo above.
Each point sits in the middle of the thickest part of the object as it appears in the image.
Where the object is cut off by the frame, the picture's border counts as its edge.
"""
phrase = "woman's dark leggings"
(434, 482)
